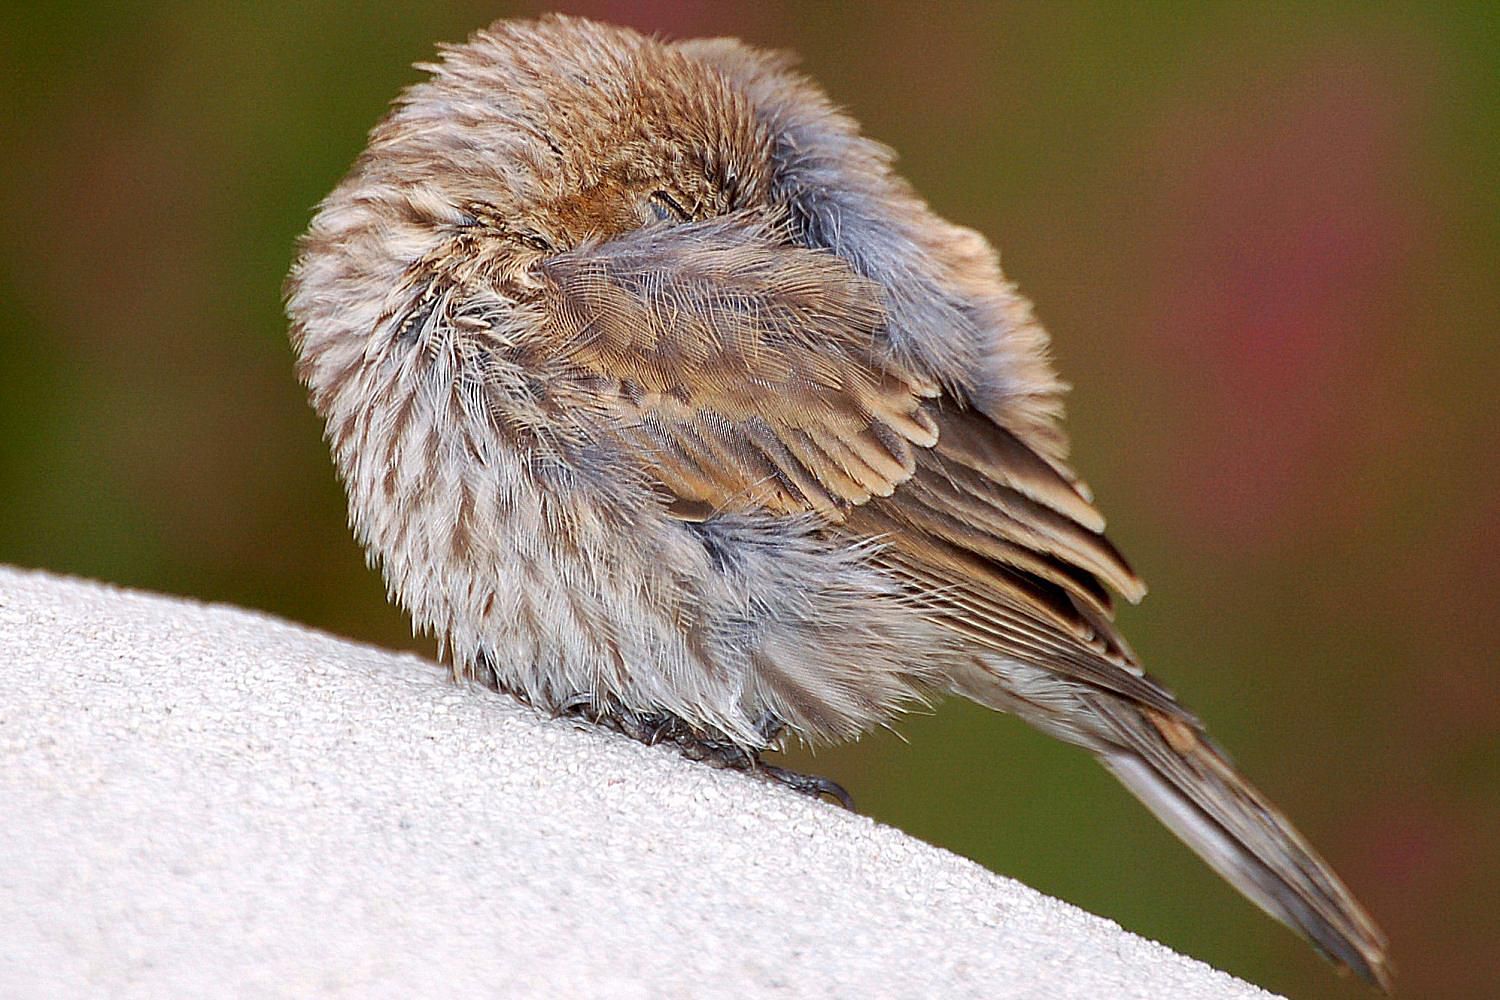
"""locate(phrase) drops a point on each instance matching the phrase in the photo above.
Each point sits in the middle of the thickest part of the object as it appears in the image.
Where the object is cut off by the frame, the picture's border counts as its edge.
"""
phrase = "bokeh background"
(1267, 244)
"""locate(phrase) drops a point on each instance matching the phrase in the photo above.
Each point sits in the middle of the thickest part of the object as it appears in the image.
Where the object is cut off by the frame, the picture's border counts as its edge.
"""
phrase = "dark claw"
(809, 784)
(581, 705)
(655, 728)
(664, 727)
(648, 729)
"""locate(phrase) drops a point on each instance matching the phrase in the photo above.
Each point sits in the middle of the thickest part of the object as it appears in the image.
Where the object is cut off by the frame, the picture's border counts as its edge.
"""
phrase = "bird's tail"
(1173, 767)
(1190, 785)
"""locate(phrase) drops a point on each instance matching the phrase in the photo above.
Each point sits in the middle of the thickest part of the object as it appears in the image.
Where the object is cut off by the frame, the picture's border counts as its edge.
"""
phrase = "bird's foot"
(652, 728)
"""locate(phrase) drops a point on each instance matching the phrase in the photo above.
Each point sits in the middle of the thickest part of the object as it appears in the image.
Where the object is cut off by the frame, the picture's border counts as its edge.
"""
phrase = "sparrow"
(661, 399)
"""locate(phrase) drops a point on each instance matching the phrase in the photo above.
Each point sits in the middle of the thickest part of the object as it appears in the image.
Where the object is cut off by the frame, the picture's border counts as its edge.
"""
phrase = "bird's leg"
(649, 728)
(652, 728)
(720, 752)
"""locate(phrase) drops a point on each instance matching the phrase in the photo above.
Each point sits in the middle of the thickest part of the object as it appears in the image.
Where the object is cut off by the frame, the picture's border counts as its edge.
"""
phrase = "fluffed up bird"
(661, 399)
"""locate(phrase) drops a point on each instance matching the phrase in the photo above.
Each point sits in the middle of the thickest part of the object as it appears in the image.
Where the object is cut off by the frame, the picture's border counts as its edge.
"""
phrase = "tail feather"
(1172, 766)
(1192, 788)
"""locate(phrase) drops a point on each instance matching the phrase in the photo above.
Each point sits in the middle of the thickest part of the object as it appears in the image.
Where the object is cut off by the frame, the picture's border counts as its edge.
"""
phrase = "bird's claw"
(654, 728)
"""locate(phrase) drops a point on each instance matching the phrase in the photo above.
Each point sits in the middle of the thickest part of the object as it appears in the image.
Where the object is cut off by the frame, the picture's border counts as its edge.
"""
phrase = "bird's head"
(529, 140)
(562, 131)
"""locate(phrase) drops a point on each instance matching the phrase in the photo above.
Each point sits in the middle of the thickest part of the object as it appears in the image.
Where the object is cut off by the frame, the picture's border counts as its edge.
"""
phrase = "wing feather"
(748, 373)
(752, 361)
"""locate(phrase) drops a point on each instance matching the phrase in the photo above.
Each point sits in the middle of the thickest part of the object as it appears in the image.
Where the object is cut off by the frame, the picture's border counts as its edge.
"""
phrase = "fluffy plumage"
(651, 383)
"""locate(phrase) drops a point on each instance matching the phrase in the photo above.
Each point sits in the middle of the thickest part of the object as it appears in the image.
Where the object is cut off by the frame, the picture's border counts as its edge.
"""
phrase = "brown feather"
(970, 438)
(1005, 513)
(729, 375)
(1011, 613)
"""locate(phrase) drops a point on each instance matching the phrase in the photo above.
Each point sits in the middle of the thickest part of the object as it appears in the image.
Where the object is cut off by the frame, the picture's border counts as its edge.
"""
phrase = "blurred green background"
(1266, 241)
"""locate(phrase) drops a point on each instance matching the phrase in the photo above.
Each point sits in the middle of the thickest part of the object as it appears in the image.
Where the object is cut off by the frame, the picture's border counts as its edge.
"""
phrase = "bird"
(663, 400)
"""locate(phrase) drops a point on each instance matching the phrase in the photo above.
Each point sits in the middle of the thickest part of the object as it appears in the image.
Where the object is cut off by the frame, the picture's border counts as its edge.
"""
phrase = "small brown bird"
(661, 399)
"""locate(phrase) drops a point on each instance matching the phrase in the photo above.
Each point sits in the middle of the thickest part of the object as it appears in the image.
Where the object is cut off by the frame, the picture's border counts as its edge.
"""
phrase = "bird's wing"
(739, 368)
(750, 374)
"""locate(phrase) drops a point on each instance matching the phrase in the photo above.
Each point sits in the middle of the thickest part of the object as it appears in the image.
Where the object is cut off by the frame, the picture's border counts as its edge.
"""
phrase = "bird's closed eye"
(666, 209)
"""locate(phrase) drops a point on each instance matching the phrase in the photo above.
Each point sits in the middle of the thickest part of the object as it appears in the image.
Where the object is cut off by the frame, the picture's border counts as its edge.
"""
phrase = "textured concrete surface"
(203, 801)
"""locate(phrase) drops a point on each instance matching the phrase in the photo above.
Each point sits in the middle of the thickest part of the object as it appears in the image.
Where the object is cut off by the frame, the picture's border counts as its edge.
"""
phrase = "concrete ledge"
(202, 801)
